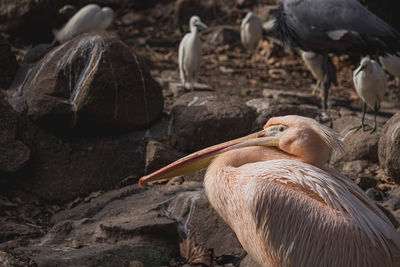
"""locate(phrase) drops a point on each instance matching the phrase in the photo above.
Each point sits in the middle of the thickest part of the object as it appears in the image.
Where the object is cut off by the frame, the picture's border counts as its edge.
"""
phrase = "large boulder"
(194, 213)
(68, 167)
(8, 64)
(92, 81)
(201, 119)
(359, 145)
(267, 108)
(14, 154)
(126, 225)
(159, 155)
(389, 148)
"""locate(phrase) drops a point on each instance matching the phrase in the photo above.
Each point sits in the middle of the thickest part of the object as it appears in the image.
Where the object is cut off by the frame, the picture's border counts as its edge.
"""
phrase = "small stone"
(374, 194)
(366, 182)
(75, 244)
(355, 167)
(394, 203)
(135, 263)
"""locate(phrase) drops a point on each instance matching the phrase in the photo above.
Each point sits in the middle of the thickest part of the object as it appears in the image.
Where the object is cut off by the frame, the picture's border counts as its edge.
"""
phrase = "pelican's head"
(195, 22)
(302, 138)
(365, 64)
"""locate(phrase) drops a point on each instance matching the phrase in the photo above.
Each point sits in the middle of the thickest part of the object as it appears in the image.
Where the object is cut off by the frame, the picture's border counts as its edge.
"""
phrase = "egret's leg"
(362, 125)
(327, 83)
(375, 112)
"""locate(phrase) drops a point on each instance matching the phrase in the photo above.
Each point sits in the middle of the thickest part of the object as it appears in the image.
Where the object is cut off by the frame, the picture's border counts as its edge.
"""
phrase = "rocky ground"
(81, 122)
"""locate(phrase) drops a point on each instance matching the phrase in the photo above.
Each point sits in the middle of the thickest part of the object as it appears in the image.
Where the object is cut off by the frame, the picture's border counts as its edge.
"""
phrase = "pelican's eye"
(276, 130)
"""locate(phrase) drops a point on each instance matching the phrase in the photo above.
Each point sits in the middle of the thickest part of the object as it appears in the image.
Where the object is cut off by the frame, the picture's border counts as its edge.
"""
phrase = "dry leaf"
(194, 254)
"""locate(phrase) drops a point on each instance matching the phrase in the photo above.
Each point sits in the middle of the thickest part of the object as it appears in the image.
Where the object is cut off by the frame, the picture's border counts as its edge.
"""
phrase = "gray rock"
(66, 168)
(267, 109)
(358, 145)
(37, 52)
(374, 194)
(389, 148)
(9, 64)
(355, 167)
(95, 82)
(194, 214)
(394, 203)
(159, 155)
(201, 119)
(14, 154)
(128, 225)
(366, 182)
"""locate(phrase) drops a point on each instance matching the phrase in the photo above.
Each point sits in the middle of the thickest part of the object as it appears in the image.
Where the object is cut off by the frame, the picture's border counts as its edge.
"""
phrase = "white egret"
(391, 63)
(314, 63)
(190, 52)
(370, 83)
(251, 31)
(90, 18)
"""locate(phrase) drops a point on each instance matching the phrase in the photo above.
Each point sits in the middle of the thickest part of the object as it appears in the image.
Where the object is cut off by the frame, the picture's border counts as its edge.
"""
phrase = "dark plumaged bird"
(314, 63)
(334, 26)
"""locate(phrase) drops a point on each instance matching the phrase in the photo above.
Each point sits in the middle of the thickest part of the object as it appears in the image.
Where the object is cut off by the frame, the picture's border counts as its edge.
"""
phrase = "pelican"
(190, 52)
(314, 63)
(286, 207)
(90, 18)
(370, 83)
(391, 63)
(251, 31)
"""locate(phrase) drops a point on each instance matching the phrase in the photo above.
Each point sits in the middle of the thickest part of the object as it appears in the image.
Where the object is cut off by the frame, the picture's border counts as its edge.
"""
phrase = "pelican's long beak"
(201, 159)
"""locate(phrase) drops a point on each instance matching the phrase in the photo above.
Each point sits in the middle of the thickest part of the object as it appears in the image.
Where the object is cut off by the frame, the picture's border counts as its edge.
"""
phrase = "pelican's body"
(285, 206)
(190, 53)
(251, 31)
(370, 83)
(90, 18)
(314, 63)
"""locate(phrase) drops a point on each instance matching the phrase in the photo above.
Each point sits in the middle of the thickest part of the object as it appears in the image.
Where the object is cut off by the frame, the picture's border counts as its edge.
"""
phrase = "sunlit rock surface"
(92, 81)
(201, 119)
(389, 148)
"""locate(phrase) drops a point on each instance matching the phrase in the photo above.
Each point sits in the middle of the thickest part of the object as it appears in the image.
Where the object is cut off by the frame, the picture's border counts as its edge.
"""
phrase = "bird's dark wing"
(334, 26)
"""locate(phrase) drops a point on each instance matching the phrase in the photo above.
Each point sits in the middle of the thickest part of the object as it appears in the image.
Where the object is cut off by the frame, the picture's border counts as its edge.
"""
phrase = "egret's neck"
(194, 29)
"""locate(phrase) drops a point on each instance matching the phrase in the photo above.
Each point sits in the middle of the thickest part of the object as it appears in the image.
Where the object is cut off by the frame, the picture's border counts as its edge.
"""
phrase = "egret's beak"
(360, 69)
(201, 25)
(201, 159)
(62, 10)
